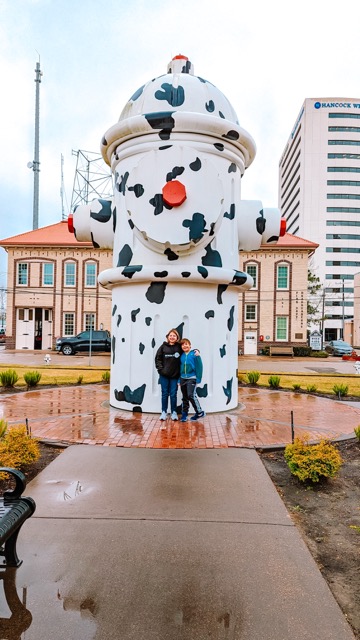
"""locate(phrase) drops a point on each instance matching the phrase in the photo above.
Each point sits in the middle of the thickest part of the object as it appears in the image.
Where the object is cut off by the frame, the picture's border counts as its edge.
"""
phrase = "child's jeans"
(168, 390)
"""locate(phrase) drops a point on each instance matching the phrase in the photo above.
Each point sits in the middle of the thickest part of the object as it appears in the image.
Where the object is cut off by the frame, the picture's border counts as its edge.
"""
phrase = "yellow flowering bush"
(312, 462)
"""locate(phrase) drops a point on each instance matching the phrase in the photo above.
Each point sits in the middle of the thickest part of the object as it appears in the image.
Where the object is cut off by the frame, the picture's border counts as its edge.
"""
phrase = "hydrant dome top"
(178, 101)
(181, 90)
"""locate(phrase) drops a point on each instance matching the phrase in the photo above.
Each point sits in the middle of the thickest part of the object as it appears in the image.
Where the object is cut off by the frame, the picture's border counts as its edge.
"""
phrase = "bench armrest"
(20, 483)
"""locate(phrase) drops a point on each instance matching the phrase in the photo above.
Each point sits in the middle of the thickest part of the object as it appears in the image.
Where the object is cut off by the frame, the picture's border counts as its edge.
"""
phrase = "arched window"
(70, 274)
(90, 274)
(282, 276)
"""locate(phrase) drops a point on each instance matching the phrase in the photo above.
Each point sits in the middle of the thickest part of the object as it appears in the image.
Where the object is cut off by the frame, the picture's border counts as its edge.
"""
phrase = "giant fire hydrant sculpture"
(176, 225)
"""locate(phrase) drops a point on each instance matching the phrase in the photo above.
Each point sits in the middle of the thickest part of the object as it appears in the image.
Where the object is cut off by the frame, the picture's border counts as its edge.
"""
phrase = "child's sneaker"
(184, 417)
(197, 416)
(163, 416)
(174, 415)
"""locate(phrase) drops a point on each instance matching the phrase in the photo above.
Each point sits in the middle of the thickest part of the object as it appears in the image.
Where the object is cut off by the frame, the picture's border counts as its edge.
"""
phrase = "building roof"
(55, 235)
(289, 241)
(58, 235)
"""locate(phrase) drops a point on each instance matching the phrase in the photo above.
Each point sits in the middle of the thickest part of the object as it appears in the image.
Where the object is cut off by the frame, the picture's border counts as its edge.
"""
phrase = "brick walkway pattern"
(82, 415)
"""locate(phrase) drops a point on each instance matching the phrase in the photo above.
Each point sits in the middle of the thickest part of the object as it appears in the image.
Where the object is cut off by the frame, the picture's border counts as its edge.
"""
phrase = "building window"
(283, 277)
(343, 196)
(343, 169)
(345, 129)
(26, 315)
(343, 115)
(343, 183)
(342, 263)
(23, 273)
(281, 328)
(343, 209)
(90, 274)
(48, 274)
(347, 156)
(250, 312)
(342, 236)
(342, 250)
(70, 272)
(69, 324)
(343, 223)
(354, 143)
(252, 269)
(338, 276)
(89, 321)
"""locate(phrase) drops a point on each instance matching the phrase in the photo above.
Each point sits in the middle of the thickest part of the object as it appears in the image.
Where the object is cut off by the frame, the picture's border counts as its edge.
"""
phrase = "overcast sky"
(266, 57)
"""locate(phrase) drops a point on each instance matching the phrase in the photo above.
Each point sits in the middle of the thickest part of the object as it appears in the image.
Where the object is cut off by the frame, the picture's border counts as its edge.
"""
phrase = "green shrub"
(106, 377)
(18, 449)
(32, 378)
(311, 388)
(274, 382)
(8, 378)
(319, 354)
(296, 386)
(357, 432)
(312, 462)
(253, 377)
(3, 428)
(302, 352)
(341, 389)
(80, 379)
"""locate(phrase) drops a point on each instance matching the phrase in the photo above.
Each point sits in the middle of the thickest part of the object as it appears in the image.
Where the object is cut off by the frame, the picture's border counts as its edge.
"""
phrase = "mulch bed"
(328, 517)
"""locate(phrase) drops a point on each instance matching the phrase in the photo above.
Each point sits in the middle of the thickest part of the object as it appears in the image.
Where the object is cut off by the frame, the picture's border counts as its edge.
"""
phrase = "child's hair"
(185, 340)
(173, 331)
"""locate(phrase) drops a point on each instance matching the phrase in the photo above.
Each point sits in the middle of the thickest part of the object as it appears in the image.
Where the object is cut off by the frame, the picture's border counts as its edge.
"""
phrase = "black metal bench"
(14, 510)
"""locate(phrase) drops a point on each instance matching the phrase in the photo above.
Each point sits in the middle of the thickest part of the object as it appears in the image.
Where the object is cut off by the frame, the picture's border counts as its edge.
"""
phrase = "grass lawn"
(64, 375)
(324, 383)
(59, 374)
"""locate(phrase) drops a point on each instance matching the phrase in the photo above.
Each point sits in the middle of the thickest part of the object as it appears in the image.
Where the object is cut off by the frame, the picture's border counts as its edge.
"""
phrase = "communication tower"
(93, 179)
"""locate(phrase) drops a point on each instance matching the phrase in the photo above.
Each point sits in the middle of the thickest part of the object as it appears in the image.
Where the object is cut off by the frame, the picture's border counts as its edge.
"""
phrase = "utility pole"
(343, 311)
(322, 319)
(62, 188)
(35, 164)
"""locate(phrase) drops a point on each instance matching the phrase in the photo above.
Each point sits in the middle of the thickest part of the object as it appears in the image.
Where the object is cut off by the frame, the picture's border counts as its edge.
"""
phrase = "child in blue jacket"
(191, 369)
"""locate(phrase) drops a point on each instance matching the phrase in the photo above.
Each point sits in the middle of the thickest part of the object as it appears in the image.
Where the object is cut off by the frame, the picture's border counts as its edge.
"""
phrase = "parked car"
(339, 348)
(2, 335)
(100, 341)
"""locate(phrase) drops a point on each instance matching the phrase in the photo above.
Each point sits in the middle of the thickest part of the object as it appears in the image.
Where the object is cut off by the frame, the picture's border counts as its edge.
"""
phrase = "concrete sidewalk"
(137, 544)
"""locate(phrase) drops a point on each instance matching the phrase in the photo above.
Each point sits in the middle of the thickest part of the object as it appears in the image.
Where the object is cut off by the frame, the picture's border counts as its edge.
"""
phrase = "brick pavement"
(81, 414)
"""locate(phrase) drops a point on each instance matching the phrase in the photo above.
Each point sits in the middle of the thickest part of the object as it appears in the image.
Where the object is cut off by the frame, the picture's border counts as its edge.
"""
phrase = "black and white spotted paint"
(176, 262)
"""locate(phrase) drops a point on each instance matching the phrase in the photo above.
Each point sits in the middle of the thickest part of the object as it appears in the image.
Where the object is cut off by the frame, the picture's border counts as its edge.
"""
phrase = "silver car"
(339, 348)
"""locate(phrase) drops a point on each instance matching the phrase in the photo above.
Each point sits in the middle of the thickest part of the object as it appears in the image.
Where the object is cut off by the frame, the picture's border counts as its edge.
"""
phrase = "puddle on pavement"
(15, 618)
(322, 370)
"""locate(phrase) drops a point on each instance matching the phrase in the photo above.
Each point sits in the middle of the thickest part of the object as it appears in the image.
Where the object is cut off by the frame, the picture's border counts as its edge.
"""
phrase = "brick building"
(52, 290)
(274, 312)
(52, 287)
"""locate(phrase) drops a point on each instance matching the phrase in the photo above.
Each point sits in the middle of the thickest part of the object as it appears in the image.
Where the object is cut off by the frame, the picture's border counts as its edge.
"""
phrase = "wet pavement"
(148, 537)
(137, 544)
(263, 418)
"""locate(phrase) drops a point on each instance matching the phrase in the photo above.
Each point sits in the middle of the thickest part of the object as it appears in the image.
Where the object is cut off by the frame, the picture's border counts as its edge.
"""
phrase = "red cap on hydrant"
(174, 193)
(70, 223)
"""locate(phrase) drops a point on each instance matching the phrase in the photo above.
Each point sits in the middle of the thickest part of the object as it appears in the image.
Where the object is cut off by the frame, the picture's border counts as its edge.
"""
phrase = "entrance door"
(24, 329)
(250, 343)
(38, 329)
(47, 336)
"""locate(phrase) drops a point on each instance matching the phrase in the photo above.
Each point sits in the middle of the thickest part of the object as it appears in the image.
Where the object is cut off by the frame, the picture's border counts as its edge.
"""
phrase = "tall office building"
(319, 195)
